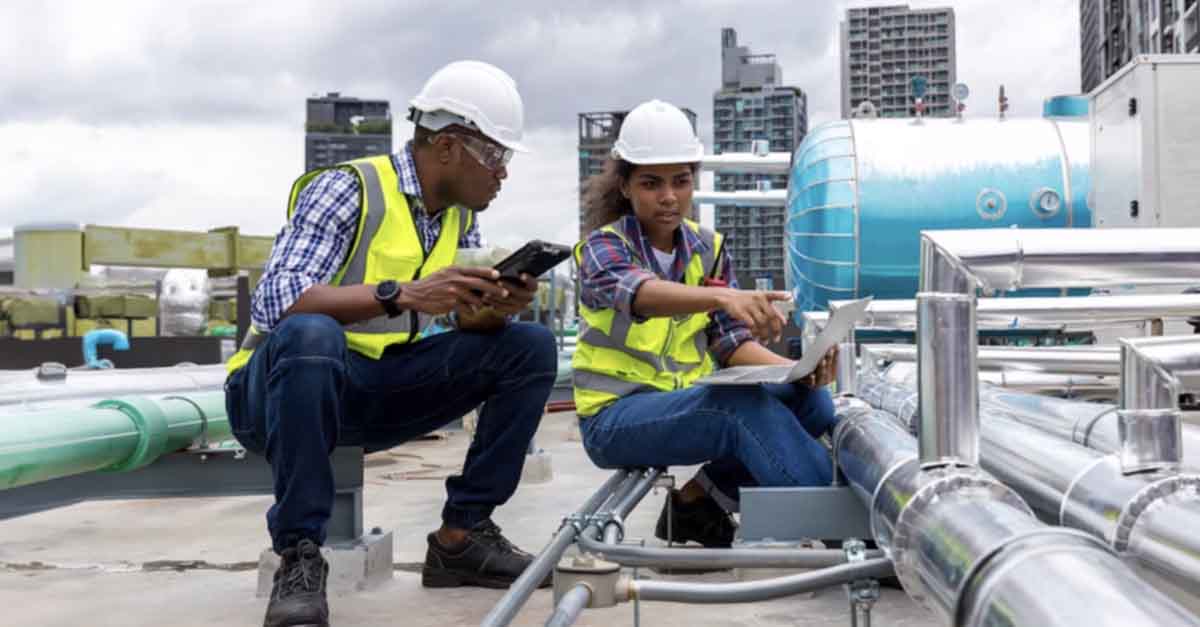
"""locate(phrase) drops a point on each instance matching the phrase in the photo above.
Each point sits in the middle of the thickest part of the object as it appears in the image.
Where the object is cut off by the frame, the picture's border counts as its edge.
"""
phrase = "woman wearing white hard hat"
(661, 309)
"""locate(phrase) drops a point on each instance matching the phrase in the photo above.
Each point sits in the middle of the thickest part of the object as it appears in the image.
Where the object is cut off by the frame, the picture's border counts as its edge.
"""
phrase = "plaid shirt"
(316, 241)
(611, 274)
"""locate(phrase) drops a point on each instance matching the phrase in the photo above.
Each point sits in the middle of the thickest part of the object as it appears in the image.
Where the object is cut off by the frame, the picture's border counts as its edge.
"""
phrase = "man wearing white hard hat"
(337, 355)
(661, 309)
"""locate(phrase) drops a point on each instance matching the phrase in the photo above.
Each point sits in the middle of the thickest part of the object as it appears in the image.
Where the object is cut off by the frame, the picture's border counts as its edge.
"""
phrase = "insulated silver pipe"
(518, 593)
(1038, 313)
(570, 607)
(967, 547)
(769, 198)
(948, 376)
(1153, 370)
(1009, 259)
(748, 162)
(1093, 425)
(847, 369)
(1147, 515)
(752, 591)
(1050, 360)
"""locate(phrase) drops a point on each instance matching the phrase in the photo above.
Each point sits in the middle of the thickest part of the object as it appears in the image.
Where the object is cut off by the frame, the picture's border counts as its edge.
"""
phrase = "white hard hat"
(657, 132)
(476, 95)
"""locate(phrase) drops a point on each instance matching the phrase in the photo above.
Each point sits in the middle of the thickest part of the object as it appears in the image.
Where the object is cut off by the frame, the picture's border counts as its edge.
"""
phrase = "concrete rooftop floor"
(187, 562)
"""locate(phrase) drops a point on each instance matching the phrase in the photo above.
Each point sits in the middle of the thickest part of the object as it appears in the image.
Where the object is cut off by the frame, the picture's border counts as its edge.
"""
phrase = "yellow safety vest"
(616, 356)
(386, 246)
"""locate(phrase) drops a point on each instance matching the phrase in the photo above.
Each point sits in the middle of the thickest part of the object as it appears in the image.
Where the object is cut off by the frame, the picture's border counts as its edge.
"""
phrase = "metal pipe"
(847, 369)
(518, 593)
(1153, 370)
(1040, 313)
(1091, 386)
(769, 198)
(1009, 259)
(1147, 515)
(1092, 425)
(26, 388)
(948, 375)
(113, 435)
(1102, 360)
(570, 606)
(748, 163)
(685, 558)
(753, 591)
(967, 547)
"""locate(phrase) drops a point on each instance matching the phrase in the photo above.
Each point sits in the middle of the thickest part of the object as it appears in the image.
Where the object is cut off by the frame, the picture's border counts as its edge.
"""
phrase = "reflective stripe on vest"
(386, 246)
(617, 356)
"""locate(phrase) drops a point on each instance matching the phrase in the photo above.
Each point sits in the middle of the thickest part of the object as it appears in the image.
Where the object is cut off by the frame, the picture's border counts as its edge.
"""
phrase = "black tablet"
(534, 258)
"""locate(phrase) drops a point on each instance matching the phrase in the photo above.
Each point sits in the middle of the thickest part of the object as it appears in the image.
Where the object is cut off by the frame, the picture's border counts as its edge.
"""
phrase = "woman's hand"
(824, 373)
(755, 310)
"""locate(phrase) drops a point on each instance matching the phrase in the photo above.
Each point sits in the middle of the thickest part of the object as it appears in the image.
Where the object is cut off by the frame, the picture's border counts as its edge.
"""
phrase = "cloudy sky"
(190, 114)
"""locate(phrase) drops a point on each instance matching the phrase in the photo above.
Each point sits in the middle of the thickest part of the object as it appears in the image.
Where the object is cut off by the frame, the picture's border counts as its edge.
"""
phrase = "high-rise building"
(1112, 32)
(598, 132)
(884, 47)
(339, 128)
(753, 105)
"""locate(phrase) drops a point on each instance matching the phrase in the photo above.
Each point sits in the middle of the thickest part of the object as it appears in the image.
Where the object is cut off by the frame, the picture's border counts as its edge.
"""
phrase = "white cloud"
(190, 114)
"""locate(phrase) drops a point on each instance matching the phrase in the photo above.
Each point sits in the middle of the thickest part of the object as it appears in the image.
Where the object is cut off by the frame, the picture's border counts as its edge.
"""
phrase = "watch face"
(387, 290)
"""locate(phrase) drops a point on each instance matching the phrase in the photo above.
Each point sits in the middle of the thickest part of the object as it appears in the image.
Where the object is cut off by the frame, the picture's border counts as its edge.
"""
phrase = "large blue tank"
(862, 190)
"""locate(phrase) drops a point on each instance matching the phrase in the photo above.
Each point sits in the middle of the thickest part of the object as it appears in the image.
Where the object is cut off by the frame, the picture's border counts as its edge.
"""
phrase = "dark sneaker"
(486, 559)
(701, 521)
(298, 597)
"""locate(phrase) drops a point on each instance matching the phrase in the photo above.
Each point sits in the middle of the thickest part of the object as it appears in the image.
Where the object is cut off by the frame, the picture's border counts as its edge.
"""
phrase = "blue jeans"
(763, 435)
(303, 393)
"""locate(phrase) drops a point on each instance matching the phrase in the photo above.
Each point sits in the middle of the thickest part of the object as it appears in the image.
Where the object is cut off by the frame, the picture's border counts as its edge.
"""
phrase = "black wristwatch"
(386, 293)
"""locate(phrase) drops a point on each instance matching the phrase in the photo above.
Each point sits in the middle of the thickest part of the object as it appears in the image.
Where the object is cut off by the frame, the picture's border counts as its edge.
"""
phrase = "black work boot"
(702, 521)
(298, 597)
(485, 559)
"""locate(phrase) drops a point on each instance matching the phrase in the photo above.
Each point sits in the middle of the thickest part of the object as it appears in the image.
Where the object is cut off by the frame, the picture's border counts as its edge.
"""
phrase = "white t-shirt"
(665, 260)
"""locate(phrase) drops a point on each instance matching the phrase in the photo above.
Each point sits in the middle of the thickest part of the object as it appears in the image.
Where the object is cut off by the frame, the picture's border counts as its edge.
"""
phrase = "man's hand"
(453, 288)
(519, 296)
(755, 310)
(825, 372)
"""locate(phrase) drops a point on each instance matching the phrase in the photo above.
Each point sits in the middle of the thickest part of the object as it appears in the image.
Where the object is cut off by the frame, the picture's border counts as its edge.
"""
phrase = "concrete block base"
(755, 574)
(353, 566)
(538, 468)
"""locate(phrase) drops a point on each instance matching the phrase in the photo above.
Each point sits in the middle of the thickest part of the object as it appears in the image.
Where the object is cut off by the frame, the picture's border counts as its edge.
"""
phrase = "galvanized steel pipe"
(570, 607)
(518, 593)
(751, 591)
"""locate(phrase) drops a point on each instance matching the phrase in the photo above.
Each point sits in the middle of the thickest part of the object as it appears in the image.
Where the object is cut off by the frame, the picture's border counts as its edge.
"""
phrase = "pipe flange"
(152, 431)
(1146, 497)
(940, 481)
(965, 610)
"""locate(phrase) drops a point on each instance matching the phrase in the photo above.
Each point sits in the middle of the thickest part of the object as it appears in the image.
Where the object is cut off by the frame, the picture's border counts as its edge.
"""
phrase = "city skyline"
(181, 120)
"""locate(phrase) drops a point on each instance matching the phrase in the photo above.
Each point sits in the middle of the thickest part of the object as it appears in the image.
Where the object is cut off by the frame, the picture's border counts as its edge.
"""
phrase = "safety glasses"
(489, 155)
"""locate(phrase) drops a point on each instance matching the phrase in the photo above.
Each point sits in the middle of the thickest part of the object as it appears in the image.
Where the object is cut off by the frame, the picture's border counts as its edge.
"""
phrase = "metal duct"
(1009, 259)
(1143, 515)
(968, 548)
(768, 198)
(748, 163)
(1039, 313)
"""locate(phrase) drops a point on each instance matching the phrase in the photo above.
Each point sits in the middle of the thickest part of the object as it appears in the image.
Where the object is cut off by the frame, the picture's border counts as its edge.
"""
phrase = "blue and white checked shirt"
(315, 242)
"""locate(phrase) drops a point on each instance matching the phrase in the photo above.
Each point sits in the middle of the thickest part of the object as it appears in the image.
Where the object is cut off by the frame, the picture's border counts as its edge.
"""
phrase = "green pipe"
(115, 435)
